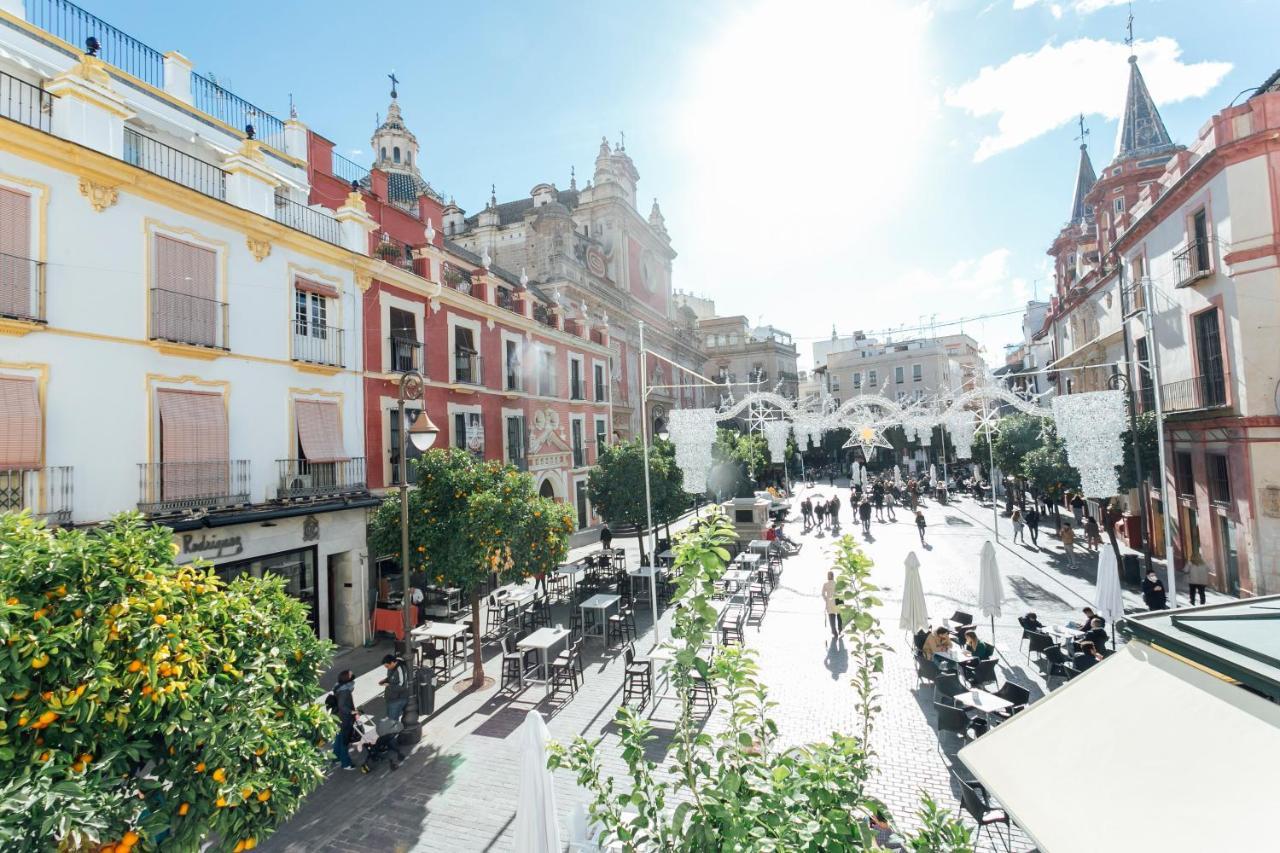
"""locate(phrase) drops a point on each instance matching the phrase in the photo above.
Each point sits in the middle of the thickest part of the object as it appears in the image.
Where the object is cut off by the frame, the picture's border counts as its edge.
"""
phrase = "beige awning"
(1142, 752)
(320, 430)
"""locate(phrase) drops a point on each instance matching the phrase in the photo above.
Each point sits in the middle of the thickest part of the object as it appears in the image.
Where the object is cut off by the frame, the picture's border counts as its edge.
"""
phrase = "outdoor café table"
(438, 631)
(640, 590)
(667, 557)
(1062, 634)
(981, 700)
(391, 620)
(601, 604)
(759, 546)
(570, 570)
(659, 657)
(542, 640)
(748, 559)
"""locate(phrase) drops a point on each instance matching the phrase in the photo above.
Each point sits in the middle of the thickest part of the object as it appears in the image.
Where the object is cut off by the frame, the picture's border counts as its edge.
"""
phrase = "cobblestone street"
(458, 791)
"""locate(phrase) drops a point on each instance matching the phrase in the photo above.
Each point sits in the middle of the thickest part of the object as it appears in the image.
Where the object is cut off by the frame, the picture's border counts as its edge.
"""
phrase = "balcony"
(1198, 392)
(468, 369)
(577, 389)
(186, 319)
(308, 220)
(73, 25)
(210, 98)
(352, 174)
(44, 492)
(319, 345)
(21, 289)
(395, 252)
(506, 300)
(26, 104)
(174, 165)
(406, 354)
(170, 487)
(1194, 262)
(301, 479)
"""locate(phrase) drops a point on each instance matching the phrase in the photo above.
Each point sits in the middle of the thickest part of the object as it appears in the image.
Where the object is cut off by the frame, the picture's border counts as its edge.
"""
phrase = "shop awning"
(1144, 751)
(320, 430)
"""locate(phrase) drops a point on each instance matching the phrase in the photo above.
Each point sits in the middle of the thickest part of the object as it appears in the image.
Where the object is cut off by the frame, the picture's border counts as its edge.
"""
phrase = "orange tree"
(469, 519)
(145, 703)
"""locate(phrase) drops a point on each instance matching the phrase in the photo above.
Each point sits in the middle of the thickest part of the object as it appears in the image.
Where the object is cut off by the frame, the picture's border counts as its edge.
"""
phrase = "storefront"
(321, 555)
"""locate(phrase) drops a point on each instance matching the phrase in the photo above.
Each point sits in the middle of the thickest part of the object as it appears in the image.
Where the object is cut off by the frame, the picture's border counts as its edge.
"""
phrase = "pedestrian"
(913, 494)
(1068, 536)
(833, 606)
(1019, 527)
(820, 511)
(1197, 576)
(806, 513)
(606, 537)
(1033, 525)
(891, 501)
(864, 512)
(1092, 535)
(1153, 594)
(343, 705)
(920, 525)
(395, 687)
(877, 497)
(1077, 508)
(831, 476)
(833, 512)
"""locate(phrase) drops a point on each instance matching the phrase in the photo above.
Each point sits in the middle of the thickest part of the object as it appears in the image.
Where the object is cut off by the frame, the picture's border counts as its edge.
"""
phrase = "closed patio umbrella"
(1107, 599)
(990, 588)
(915, 613)
(537, 828)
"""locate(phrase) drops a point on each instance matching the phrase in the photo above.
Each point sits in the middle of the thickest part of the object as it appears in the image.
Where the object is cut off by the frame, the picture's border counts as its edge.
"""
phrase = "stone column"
(251, 184)
(295, 140)
(356, 224)
(177, 76)
(88, 110)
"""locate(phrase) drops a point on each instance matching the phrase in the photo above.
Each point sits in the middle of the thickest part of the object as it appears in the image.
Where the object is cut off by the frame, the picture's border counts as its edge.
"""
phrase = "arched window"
(383, 155)
(408, 157)
(395, 154)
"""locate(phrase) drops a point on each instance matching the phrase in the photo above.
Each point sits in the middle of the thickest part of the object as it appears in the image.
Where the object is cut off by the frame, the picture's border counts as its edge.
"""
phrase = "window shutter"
(15, 248)
(185, 306)
(19, 423)
(326, 290)
(319, 430)
(193, 443)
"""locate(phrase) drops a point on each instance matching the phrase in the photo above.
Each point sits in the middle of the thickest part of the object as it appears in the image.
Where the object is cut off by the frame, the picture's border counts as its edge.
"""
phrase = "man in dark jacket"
(864, 513)
(345, 709)
(606, 537)
(395, 687)
(1033, 525)
(1153, 593)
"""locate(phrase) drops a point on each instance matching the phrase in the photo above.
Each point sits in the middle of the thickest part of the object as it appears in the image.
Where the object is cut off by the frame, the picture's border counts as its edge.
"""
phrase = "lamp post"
(422, 432)
(1120, 382)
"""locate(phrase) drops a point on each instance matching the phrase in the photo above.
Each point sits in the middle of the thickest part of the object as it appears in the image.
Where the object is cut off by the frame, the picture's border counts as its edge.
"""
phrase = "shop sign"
(211, 546)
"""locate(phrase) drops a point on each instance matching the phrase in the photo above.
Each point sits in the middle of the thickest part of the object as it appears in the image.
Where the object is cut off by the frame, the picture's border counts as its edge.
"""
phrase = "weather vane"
(1084, 131)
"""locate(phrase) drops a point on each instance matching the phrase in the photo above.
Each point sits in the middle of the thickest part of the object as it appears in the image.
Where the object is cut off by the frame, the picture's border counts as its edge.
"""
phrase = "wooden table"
(542, 640)
(392, 620)
(601, 602)
(445, 631)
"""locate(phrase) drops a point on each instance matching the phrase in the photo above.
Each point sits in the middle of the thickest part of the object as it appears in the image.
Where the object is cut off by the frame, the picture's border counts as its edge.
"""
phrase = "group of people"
(936, 644)
(820, 514)
(880, 497)
(1086, 645)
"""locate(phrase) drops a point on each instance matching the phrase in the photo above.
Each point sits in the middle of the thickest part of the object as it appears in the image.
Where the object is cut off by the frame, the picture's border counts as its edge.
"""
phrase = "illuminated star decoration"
(867, 437)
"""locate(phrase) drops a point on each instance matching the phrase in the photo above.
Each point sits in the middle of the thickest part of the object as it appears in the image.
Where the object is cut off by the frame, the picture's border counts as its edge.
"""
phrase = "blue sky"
(857, 164)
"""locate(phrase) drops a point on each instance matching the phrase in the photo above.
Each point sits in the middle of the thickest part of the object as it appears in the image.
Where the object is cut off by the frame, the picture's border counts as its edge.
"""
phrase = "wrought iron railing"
(21, 288)
(577, 389)
(318, 344)
(74, 25)
(308, 220)
(186, 319)
(579, 456)
(25, 103)
(302, 478)
(1193, 262)
(395, 252)
(1198, 392)
(177, 166)
(45, 492)
(506, 300)
(165, 487)
(349, 172)
(210, 98)
(468, 369)
(406, 354)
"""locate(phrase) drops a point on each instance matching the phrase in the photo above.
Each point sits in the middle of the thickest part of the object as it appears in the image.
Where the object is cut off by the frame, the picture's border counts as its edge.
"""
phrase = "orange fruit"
(264, 795)
(22, 721)
(184, 808)
(200, 767)
(250, 843)
(220, 775)
(77, 767)
(130, 838)
(12, 602)
(239, 848)
(45, 756)
(39, 614)
(246, 792)
(134, 665)
(20, 695)
(86, 758)
(160, 619)
(221, 802)
(40, 661)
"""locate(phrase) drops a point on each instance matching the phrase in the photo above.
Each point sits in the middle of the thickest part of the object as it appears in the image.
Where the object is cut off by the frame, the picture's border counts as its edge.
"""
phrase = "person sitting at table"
(1086, 657)
(1032, 623)
(978, 651)
(1087, 622)
(937, 644)
(1096, 634)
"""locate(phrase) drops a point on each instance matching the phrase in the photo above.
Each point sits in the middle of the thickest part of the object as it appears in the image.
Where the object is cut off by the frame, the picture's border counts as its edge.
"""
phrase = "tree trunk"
(640, 539)
(477, 658)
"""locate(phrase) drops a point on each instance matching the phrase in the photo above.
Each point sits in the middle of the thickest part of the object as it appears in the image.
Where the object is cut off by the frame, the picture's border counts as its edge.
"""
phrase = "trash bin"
(426, 692)
(1130, 570)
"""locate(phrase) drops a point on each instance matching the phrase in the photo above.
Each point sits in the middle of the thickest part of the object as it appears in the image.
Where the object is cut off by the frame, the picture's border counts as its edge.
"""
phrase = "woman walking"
(920, 524)
(1019, 527)
(1197, 576)
(1068, 536)
(1092, 535)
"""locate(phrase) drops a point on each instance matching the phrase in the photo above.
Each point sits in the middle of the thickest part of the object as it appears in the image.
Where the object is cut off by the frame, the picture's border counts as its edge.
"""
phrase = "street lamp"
(422, 432)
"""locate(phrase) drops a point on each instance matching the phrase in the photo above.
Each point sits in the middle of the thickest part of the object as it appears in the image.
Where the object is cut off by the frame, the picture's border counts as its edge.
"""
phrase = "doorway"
(547, 491)
(1230, 553)
(580, 493)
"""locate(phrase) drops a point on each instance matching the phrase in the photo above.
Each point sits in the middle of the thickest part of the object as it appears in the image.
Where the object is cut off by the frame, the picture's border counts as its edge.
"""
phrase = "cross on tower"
(394, 82)
(1084, 131)
(1129, 39)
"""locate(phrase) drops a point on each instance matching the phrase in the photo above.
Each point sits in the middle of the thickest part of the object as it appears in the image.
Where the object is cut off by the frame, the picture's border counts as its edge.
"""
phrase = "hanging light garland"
(1092, 426)
(693, 432)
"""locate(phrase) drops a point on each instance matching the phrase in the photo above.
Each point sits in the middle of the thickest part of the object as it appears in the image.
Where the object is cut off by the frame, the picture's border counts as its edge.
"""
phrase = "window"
(546, 373)
(395, 154)
(183, 299)
(857, 379)
(917, 373)
(601, 387)
(194, 456)
(577, 389)
(515, 442)
(602, 436)
(1219, 479)
(1200, 231)
(405, 348)
(579, 453)
(313, 339)
(898, 375)
(1119, 205)
(20, 426)
(835, 382)
(1184, 476)
(19, 275)
(871, 378)
(468, 433)
(1212, 387)
(512, 361)
(466, 362)
(393, 444)
(711, 340)
(1146, 389)
(382, 152)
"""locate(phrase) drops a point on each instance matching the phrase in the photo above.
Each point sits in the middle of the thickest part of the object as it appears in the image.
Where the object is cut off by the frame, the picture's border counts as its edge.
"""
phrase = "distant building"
(745, 359)
(905, 371)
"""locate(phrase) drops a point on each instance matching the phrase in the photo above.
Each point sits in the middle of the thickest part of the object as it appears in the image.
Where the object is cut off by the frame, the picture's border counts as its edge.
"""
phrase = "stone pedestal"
(356, 224)
(89, 111)
(750, 517)
(177, 76)
(295, 139)
(251, 183)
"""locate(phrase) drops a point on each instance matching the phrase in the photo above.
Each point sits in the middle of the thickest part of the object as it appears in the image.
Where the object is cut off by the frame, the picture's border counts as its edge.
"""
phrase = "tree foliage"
(736, 790)
(1148, 449)
(616, 487)
(469, 518)
(1047, 470)
(1019, 435)
(743, 454)
(142, 701)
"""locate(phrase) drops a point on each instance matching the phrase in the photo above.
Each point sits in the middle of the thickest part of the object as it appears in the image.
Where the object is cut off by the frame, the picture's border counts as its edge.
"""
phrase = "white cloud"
(1084, 7)
(1033, 93)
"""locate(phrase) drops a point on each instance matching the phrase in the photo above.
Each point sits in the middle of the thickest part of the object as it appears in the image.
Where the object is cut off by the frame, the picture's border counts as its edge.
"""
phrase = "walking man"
(344, 706)
(395, 687)
(833, 512)
(833, 606)
(1033, 525)
(1068, 535)
(864, 513)
(806, 513)
(920, 524)
(891, 501)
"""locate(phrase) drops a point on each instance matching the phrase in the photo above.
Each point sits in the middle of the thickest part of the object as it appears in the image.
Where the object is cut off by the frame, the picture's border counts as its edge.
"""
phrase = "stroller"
(376, 741)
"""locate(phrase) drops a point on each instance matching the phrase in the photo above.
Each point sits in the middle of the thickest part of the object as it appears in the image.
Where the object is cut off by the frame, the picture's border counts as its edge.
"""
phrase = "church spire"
(1142, 131)
(1085, 179)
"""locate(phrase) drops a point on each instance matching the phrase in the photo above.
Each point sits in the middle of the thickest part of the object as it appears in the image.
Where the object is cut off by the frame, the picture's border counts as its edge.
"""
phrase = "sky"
(874, 165)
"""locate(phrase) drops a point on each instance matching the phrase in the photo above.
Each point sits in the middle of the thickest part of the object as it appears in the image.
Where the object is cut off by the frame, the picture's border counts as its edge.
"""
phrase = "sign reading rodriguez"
(211, 547)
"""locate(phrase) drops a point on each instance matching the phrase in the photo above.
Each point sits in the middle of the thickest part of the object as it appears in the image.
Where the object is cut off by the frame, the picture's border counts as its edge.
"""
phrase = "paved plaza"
(458, 791)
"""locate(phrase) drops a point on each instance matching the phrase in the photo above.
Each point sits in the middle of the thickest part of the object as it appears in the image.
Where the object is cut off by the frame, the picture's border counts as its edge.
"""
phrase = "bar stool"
(637, 678)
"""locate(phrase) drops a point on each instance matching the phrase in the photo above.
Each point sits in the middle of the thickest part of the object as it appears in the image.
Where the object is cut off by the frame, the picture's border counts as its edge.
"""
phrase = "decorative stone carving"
(258, 248)
(101, 196)
(364, 281)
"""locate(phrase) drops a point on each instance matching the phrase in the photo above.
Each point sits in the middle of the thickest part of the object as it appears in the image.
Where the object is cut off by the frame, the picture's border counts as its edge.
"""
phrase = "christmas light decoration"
(1092, 426)
(693, 432)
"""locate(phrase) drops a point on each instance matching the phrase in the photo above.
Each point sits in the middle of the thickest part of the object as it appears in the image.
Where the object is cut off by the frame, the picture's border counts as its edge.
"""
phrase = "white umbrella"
(915, 614)
(933, 473)
(1107, 599)
(537, 827)
(990, 589)
(897, 476)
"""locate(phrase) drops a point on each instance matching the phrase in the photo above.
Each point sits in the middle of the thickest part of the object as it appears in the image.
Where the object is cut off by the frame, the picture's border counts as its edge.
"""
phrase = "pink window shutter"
(19, 423)
(186, 290)
(326, 290)
(16, 267)
(193, 444)
(320, 431)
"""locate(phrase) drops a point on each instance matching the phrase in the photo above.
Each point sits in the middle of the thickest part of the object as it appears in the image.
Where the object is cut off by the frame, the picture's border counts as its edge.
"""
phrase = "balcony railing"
(301, 479)
(186, 319)
(406, 354)
(519, 460)
(21, 288)
(45, 492)
(26, 104)
(166, 487)
(73, 25)
(177, 166)
(308, 220)
(468, 369)
(506, 300)
(579, 456)
(209, 97)
(395, 252)
(318, 345)
(349, 172)
(577, 389)
(1198, 392)
(1193, 262)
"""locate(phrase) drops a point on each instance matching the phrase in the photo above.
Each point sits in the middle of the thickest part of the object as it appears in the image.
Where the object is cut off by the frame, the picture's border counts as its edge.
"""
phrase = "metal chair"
(1053, 663)
(948, 684)
(1037, 643)
(980, 674)
(954, 720)
(567, 669)
(961, 618)
(926, 670)
(496, 617)
(731, 627)
(1018, 695)
(973, 797)
(513, 662)
(637, 678)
